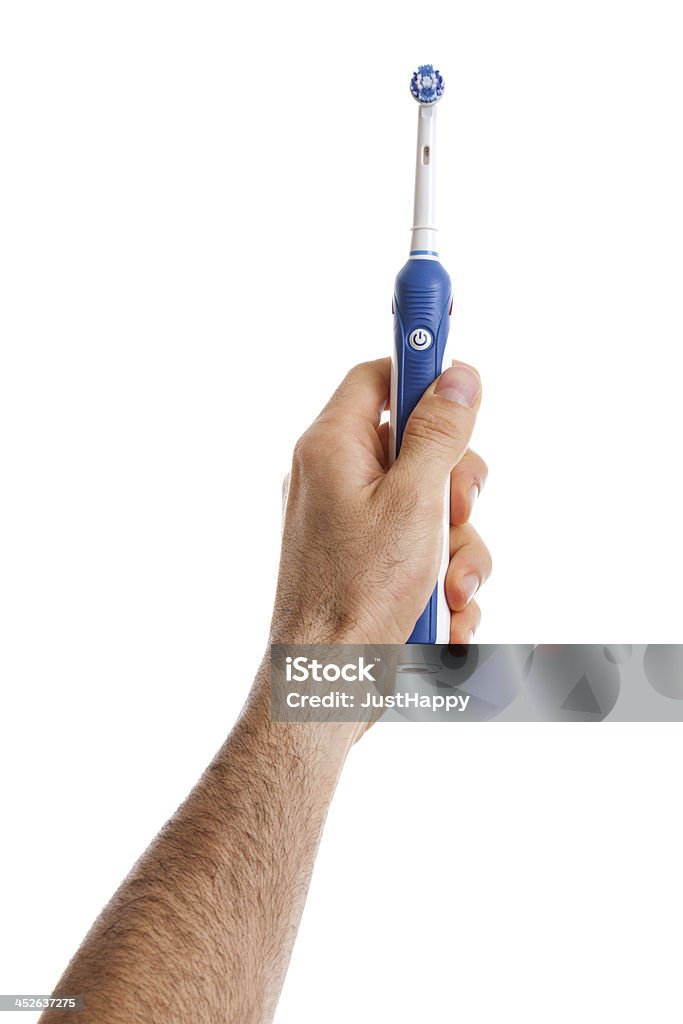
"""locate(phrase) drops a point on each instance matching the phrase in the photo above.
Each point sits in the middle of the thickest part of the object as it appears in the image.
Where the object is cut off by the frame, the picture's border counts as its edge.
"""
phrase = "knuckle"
(317, 449)
(471, 468)
(353, 376)
(305, 450)
(466, 535)
(432, 429)
(482, 556)
(359, 370)
(486, 566)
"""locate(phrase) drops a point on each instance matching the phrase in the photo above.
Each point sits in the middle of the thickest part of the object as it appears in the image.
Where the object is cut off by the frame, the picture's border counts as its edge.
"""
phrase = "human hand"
(361, 543)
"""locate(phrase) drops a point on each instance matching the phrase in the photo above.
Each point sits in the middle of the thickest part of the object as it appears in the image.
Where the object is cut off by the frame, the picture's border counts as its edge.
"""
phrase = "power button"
(420, 339)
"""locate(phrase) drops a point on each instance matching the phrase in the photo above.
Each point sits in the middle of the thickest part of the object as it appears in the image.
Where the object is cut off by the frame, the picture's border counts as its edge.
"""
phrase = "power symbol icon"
(420, 339)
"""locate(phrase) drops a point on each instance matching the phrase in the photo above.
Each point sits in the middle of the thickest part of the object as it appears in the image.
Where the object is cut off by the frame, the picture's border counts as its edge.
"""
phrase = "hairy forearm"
(202, 929)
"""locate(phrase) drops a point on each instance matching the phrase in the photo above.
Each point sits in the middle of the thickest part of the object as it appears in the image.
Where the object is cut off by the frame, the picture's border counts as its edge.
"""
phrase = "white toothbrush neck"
(424, 244)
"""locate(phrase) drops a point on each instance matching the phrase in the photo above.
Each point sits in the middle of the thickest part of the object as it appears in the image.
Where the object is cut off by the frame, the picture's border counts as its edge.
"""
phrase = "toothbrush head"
(427, 85)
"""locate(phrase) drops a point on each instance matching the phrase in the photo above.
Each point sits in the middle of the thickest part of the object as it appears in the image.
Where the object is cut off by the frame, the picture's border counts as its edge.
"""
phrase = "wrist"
(318, 746)
(301, 627)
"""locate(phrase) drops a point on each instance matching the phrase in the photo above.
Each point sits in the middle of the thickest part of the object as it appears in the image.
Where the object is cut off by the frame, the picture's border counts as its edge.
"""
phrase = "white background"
(202, 210)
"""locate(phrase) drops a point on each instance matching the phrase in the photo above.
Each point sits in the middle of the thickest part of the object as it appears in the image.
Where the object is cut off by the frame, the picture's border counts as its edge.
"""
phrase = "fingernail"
(459, 384)
(470, 585)
(469, 636)
(474, 494)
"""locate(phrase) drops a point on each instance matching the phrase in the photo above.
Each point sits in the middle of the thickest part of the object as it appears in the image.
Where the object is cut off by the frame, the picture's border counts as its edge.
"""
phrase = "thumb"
(438, 432)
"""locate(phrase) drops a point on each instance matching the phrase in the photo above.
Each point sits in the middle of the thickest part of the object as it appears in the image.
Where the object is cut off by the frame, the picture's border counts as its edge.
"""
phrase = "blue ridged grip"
(422, 299)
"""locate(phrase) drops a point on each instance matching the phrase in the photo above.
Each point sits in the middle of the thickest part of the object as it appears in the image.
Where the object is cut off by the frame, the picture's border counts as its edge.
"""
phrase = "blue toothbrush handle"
(422, 307)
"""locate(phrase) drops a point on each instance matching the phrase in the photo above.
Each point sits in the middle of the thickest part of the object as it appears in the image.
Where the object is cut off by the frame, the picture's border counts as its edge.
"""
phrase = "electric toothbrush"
(422, 306)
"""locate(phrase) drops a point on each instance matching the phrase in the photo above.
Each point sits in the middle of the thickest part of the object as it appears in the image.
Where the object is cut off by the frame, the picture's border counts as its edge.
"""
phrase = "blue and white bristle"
(427, 85)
